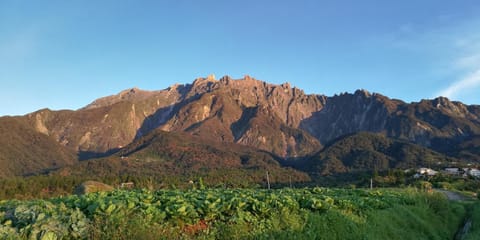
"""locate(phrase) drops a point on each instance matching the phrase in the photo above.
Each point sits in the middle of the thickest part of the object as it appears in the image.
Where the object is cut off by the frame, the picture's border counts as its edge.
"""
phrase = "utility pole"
(371, 183)
(268, 181)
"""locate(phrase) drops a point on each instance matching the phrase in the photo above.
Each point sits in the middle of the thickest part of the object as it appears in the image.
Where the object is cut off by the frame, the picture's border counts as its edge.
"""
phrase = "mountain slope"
(438, 124)
(25, 151)
(163, 153)
(294, 124)
(369, 151)
(276, 119)
(112, 122)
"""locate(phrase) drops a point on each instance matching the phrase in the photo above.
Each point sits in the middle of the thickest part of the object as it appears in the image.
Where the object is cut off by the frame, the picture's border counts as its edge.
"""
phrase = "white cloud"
(464, 84)
(468, 61)
(462, 62)
(467, 47)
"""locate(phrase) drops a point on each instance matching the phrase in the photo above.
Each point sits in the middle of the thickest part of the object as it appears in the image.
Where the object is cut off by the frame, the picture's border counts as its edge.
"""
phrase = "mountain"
(24, 150)
(275, 122)
(225, 110)
(439, 124)
(367, 151)
(163, 153)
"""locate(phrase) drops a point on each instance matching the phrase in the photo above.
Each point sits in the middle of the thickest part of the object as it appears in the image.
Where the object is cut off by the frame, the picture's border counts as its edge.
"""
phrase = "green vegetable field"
(308, 213)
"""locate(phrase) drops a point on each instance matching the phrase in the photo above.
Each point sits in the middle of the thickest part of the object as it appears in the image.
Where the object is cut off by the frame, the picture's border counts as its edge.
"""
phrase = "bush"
(92, 186)
(424, 186)
(444, 185)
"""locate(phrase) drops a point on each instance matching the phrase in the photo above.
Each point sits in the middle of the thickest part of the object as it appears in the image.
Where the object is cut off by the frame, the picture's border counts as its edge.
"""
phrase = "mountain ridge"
(275, 118)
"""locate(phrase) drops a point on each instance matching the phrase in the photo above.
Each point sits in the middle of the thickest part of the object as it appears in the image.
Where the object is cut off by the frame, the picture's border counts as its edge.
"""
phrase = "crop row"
(72, 216)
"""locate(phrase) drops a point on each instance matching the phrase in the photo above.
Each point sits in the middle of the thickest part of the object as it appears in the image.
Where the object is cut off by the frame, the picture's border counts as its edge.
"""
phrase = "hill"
(165, 154)
(370, 151)
(25, 151)
(439, 124)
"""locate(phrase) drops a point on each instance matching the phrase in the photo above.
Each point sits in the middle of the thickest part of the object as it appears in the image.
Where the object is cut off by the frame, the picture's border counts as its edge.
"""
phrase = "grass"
(474, 216)
(399, 222)
(431, 217)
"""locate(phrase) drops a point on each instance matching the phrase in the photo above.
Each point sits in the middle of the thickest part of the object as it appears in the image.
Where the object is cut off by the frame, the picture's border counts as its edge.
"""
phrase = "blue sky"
(64, 54)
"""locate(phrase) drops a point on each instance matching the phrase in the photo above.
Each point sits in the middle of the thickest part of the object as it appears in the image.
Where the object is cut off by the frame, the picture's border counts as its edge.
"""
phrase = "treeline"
(54, 185)
(43, 186)
(47, 186)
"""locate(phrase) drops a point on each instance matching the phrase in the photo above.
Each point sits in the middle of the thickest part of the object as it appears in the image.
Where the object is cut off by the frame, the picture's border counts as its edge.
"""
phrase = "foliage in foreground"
(474, 218)
(310, 213)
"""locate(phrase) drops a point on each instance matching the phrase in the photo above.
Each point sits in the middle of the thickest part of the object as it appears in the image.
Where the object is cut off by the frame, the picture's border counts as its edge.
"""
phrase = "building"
(425, 172)
(453, 171)
(473, 172)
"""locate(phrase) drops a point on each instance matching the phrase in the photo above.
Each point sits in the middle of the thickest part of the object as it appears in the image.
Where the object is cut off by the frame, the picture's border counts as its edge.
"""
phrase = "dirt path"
(452, 195)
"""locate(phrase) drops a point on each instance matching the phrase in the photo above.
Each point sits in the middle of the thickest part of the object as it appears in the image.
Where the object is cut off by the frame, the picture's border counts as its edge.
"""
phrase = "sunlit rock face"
(280, 119)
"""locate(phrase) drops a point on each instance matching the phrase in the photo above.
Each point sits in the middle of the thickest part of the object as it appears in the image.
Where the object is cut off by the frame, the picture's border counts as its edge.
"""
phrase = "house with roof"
(473, 172)
(425, 172)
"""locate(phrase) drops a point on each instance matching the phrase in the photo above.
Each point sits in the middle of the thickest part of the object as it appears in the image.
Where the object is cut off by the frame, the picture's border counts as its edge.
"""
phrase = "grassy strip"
(432, 216)
(311, 213)
(474, 232)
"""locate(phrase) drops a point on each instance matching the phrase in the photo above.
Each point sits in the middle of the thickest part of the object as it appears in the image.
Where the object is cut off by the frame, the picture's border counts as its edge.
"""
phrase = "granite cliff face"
(350, 113)
(438, 124)
(276, 119)
(245, 111)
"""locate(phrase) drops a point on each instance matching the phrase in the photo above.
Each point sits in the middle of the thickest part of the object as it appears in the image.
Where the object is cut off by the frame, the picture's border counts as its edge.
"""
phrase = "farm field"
(307, 213)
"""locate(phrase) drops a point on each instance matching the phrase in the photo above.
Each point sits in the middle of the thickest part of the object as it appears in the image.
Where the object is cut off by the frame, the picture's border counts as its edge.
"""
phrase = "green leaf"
(47, 235)
(182, 209)
(40, 217)
(110, 209)
(130, 204)
(92, 207)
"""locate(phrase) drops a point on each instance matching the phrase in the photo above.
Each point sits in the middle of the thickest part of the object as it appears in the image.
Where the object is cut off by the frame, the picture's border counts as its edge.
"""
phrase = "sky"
(65, 54)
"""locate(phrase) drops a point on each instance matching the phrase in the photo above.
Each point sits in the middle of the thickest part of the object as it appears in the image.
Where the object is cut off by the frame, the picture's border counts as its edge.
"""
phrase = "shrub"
(424, 186)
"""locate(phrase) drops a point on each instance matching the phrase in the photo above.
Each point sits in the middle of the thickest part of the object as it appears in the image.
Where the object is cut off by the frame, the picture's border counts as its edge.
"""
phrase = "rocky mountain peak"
(278, 119)
(248, 78)
(285, 85)
(211, 77)
(175, 87)
(362, 92)
(441, 102)
(448, 107)
(204, 80)
(445, 103)
(225, 79)
(131, 94)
